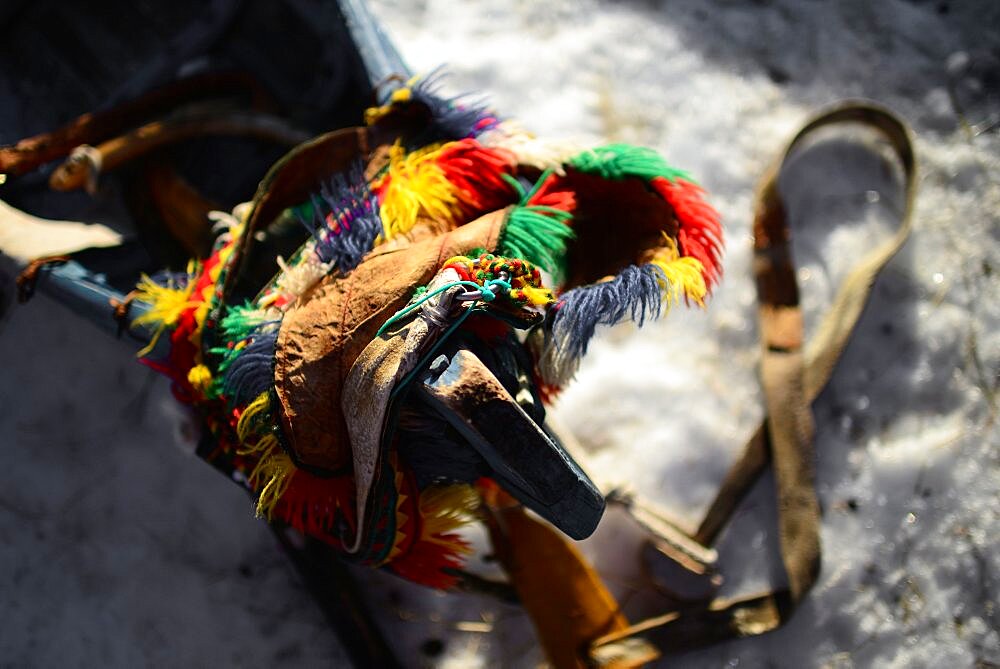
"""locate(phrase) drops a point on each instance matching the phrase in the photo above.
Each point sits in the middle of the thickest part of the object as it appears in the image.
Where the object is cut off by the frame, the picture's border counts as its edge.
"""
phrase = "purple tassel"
(345, 220)
(452, 118)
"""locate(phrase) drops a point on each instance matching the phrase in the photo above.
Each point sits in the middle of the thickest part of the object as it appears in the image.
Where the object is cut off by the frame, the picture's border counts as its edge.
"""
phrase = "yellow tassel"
(273, 472)
(200, 377)
(165, 306)
(264, 445)
(683, 276)
(271, 477)
(417, 186)
(445, 509)
(246, 423)
(260, 474)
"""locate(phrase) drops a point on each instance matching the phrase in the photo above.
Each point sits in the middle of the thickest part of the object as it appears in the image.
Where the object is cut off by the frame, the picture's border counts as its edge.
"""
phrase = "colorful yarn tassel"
(451, 118)
(443, 510)
(343, 220)
(415, 186)
(253, 417)
(617, 161)
(699, 226)
(447, 184)
(456, 117)
(634, 293)
(270, 478)
(700, 231)
(538, 229)
(167, 302)
(477, 175)
(682, 275)
(318, 506)
(247, 331)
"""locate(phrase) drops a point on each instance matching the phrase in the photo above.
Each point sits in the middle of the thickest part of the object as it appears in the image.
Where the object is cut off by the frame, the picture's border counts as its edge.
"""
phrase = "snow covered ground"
(118, 549)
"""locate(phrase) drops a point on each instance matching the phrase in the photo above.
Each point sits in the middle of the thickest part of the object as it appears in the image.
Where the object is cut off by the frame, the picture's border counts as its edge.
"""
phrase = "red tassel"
(475, 172)
(700, 234)
(426, 553)
(426, 561)
(311, 504)
(554, 193)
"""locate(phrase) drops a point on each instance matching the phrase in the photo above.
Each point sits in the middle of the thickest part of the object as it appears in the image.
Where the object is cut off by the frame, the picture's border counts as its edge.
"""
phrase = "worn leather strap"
(567, 600)
(85, 164)
(31, 153)
(793, 374)
(825, 347)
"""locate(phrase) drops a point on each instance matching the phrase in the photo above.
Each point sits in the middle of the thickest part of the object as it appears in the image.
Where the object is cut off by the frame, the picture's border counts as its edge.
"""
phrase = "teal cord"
(406, 311)
(504, 286)
(488, 295)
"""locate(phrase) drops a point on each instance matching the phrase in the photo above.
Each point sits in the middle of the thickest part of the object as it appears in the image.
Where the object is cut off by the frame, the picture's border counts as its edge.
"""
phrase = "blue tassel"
(452, 118)
(635, 292)
(251, 371)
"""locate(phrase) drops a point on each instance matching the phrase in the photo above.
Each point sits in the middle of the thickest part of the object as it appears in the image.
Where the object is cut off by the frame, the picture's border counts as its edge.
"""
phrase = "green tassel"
(240, 322)
(617, 161)
(539, 235)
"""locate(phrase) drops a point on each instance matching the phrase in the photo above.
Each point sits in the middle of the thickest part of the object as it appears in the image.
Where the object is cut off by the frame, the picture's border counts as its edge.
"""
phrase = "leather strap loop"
(793, 373)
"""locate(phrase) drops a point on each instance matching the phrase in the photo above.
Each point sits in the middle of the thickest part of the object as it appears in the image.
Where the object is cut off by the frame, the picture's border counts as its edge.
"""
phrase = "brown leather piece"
(790, 424)
(367, 394)
(161, 134)
(290, 182)
(824, 348)
(325, 332)
(773, 268)
(568, 602)
(780, 327)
